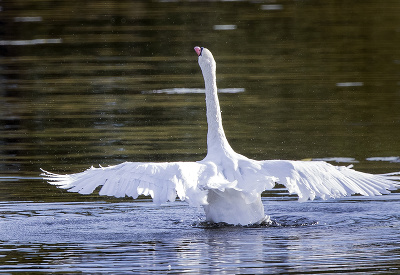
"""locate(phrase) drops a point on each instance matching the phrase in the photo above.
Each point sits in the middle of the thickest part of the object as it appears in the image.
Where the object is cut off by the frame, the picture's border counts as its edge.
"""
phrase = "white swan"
(227, 184)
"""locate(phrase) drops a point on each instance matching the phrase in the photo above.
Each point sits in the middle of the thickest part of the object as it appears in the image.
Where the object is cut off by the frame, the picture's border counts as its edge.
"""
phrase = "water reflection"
(193, 91)
(29, 42)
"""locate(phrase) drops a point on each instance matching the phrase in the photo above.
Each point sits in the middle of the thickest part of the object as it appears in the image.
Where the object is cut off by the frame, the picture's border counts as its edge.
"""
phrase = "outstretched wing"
(162, 181)
(310, 179)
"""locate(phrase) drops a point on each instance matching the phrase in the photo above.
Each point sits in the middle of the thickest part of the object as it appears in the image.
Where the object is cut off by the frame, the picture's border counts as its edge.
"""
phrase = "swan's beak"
(198, 50)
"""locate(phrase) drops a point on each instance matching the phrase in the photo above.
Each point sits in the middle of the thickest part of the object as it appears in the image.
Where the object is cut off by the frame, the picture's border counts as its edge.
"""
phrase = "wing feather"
(189, 180)
(131, 190)
(310, 179)
(162, 181)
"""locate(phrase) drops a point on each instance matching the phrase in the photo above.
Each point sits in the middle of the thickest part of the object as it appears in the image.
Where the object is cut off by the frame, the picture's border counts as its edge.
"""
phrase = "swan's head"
(206, 59)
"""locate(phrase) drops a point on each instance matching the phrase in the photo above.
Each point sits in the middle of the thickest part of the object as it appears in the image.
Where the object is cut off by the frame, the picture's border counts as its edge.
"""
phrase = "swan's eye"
(201, 51)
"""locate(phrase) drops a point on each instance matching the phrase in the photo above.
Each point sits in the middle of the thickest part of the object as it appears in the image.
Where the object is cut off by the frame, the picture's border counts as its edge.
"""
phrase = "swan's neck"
(216, 139)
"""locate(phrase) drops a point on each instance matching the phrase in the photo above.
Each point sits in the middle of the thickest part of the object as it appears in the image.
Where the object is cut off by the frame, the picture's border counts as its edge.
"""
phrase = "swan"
(226, 184)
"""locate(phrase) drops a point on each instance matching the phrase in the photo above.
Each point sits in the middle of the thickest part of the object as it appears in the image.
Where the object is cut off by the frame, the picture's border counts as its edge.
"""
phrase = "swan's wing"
(310, 179)
(162, 181)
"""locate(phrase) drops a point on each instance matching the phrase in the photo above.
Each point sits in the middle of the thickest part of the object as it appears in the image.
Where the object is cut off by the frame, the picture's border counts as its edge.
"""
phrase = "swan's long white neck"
(216, 139)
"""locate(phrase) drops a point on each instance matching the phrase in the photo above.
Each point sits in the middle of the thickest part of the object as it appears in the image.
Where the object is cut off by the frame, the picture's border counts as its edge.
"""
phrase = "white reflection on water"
(272, 7)
(349, 84)
(337, 159)
(193, 91)
(224, 27)
(17, 178)
(389, 159)
(30, 42)
(28, 19)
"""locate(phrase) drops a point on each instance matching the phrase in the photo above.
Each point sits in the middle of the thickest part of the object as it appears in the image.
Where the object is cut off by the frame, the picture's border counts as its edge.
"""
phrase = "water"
(93, 83)
(356, 234)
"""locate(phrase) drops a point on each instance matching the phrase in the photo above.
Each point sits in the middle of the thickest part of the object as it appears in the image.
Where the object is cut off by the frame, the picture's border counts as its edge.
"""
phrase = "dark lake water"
(101, 82)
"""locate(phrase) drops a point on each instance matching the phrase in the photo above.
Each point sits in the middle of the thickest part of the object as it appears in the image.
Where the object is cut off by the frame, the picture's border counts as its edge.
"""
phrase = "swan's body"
(227, 184)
